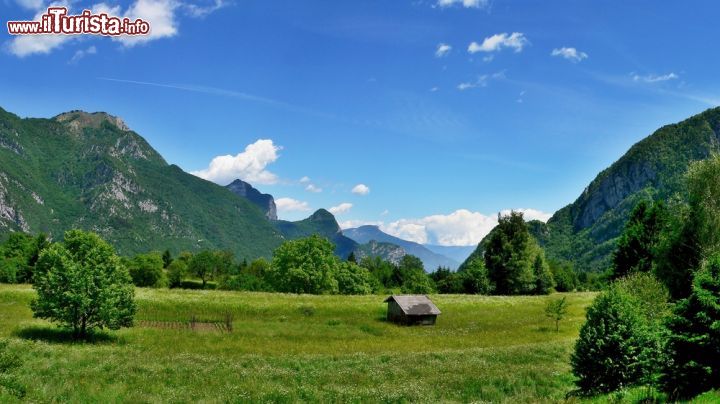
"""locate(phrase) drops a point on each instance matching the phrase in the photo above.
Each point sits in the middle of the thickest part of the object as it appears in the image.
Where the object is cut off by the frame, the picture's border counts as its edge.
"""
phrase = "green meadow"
(286, 348)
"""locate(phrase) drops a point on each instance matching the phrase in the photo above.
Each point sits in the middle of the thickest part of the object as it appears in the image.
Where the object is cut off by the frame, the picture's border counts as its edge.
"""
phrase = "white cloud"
(313, 188)
(442, 50)
(515, 41)
(350, 224)
(304, 179)
(30, 4)
(81, 53)
(26, 45)
(249, 165)
(161, 16)
(464, 3)
(361, 189)
(340, 209)
(570, 54)
(651, 78)
(199, 11)
(481, 81)
(461, 227)
(291, 205)
(434, 89)
(384, 212)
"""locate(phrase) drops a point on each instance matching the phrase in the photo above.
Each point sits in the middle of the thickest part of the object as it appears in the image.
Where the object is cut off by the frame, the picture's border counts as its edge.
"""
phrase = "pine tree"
(694, 337)
(637, 245)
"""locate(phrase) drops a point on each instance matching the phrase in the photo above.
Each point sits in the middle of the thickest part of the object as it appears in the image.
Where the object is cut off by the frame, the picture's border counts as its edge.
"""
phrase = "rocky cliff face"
(266, 202)
(585, 231)
(387, 251)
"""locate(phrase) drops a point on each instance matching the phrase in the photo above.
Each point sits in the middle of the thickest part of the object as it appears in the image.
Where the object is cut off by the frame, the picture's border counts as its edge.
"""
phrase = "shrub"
(305, 265)
(556, 310)
(9, 270)
(608, 354)
(81, 284)
(176, 272)
(147, 270)
(353, 279)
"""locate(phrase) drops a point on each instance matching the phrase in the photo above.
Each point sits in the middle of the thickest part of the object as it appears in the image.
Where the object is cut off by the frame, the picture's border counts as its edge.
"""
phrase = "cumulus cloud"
(313, 188)
(249, 165)
(442, 50)
(459, 228)
(651, 78)
(291, 205)
(497, 42)
(361, 189)
(340, 209)
(570, 54)
(304, 179)
(162, 15)
(464, 3)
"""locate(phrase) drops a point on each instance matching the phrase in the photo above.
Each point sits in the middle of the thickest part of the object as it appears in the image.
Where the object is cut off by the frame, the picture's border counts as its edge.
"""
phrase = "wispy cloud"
(81, 53)
(516, 41)
(651, 78)
(361, 189)
(340, 209)
(570, 54)
(313, 188)
(481, 81)
(291, 205)
(463, 3)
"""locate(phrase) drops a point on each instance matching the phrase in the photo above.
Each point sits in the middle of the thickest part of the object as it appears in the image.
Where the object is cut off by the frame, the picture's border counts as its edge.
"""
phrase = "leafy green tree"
(556, 309)
(353, 279)
(306, 265)
(209, 265)
(146, 270)
(82, 284)
(475, 278)
(167, 258)
(382, 271)
(637, 245)
(417, 282)
(693, 345)
(509, 256)
(18, 256)
(544, 282)
(176, 272)
(566, 280)
(447, 281)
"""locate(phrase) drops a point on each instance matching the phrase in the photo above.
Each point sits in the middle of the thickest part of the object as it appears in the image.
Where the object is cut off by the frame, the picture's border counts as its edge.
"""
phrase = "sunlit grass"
(307, 348)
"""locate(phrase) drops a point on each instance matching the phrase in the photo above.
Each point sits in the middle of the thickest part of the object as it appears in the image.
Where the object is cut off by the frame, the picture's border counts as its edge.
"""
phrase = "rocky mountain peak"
(81, 119)
(266, 202)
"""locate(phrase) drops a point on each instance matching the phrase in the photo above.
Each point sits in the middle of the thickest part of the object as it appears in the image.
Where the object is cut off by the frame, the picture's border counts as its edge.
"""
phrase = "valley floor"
(299, 348)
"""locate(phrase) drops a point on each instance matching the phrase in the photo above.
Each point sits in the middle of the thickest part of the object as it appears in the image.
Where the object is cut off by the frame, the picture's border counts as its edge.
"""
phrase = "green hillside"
(322, 223)
(90, 171)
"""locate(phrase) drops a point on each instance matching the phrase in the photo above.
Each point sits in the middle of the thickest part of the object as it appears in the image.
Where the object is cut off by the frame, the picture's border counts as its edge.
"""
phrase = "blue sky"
(446, 111)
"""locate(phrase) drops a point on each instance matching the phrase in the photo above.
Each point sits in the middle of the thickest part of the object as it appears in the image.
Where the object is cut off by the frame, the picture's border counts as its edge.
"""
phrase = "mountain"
(90, 171)
(322, 223)
(265, 202)
(431, 260)
(457, 253)
(387, 251)
(585, 232)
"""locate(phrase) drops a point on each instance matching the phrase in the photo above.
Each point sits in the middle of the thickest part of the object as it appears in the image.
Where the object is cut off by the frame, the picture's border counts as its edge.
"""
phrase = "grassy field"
(286, 348)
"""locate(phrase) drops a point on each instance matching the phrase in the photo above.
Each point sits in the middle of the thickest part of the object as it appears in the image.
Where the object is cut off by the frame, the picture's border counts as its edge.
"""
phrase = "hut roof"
(414, 305)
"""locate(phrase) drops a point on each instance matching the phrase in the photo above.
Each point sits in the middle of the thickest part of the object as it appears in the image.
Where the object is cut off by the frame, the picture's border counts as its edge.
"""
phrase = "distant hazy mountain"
(457, 253)
(322, 223)
(266, 202)
(430, 259)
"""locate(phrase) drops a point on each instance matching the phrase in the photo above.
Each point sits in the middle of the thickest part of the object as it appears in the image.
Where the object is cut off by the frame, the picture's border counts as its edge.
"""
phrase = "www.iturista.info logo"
(57, 21)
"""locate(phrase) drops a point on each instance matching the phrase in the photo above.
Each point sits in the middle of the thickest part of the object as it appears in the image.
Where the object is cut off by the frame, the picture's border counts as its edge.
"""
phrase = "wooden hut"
(411, 309)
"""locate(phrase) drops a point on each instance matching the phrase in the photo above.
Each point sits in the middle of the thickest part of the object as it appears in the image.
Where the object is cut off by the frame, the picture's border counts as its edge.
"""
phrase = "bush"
(81, 284)
(608, 354)
(694, 337)
(176, 272)
(9, 269)
(305, 265)
(353, 279)
(147, 270)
